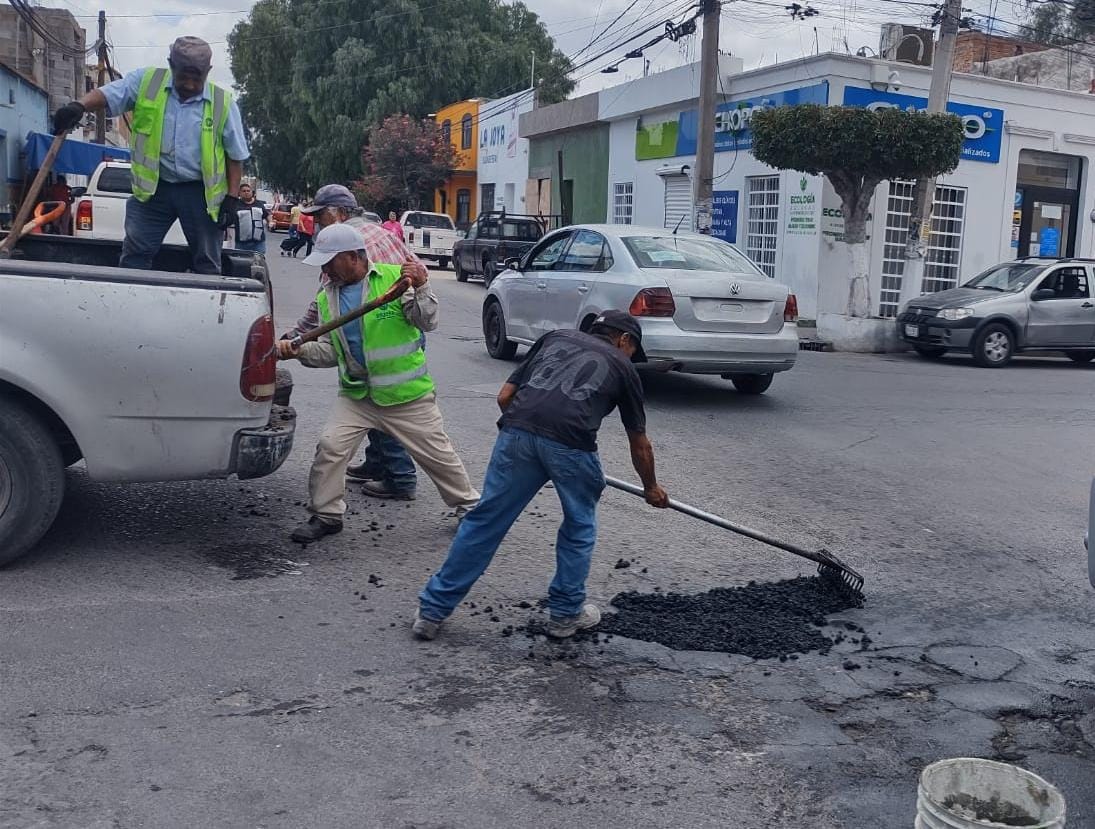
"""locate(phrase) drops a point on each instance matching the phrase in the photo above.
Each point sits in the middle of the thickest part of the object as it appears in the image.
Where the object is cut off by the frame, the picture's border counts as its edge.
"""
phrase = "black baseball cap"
(623, 321)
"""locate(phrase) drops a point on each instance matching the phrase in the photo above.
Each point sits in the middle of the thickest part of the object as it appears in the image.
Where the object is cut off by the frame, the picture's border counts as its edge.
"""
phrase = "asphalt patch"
(247, 562)
(762, 621)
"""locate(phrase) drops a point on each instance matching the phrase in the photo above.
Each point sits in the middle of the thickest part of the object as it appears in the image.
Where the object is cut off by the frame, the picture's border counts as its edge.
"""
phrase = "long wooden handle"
(18, 226)
(397, 290)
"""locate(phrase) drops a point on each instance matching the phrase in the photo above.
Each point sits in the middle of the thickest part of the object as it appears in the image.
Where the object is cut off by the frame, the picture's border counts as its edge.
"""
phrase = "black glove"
(229, 208)
(67, 117)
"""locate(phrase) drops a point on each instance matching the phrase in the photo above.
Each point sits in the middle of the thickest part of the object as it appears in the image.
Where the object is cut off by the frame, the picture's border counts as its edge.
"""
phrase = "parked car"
(99, 212)
(704, 307)
(107, 381)
(494, 238)
(280, 214)
(1029, 304)
(430, 235)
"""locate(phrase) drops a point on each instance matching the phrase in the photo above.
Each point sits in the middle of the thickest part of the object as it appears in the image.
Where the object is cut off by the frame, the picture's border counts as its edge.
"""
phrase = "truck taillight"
(257, 376)
(84, 218)
(790, 309)
(410, 237)
(653, 302)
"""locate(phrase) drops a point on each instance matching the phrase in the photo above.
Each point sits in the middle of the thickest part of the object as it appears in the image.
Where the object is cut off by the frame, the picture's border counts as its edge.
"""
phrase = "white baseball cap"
(333, 240)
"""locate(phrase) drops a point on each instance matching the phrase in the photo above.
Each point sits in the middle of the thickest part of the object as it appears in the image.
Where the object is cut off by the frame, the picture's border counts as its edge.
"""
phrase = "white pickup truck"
(430, 235)
(100, 212)
(146, 375)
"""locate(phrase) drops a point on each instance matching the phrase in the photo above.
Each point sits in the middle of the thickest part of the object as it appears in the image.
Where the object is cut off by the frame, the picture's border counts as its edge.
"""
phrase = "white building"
(1023, 187)
(503, 154)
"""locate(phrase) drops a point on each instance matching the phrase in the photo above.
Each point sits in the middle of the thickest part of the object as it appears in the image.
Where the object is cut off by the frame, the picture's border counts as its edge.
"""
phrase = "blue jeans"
(519, 466)
(147, 223)
(386, 459)
(256, 245)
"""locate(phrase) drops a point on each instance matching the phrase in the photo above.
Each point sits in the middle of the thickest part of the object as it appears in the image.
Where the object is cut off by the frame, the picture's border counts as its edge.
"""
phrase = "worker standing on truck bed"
(383, 381)
(552, 407)
(188, 147)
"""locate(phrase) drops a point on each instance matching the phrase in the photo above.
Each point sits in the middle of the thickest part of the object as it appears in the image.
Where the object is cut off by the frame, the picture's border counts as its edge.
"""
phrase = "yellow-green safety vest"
(144, 142)
(395, 364)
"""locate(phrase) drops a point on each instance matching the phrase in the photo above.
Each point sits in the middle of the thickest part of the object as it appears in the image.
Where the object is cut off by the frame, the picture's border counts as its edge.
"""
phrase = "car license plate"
(912, 330)
(439, 251)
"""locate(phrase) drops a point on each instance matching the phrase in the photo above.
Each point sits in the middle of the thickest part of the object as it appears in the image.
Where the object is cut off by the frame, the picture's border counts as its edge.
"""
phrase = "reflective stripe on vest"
(394, 359)
(147, 133)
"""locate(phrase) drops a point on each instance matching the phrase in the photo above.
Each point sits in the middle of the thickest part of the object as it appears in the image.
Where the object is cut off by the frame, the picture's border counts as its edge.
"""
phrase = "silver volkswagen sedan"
(704, 307)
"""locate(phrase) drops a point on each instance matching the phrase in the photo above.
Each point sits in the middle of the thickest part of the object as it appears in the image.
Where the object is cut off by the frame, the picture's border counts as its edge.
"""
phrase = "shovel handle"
(719, 521)
(397, 290)
(18, 227)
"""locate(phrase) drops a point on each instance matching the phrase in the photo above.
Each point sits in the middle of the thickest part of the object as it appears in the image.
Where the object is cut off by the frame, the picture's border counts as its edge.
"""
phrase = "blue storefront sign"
(724, 215)
(732, 120)
(984, 126)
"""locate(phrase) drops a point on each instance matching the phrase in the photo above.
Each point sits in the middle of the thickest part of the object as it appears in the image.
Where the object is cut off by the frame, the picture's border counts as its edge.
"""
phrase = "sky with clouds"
(761, 32)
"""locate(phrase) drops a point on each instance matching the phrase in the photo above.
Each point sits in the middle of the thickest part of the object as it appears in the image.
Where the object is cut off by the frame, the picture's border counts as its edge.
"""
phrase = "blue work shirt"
(180, 145)
(349, 298)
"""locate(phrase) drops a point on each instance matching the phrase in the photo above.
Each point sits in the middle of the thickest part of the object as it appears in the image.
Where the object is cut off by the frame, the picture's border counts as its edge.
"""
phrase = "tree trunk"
(855, 196)
(859, 286)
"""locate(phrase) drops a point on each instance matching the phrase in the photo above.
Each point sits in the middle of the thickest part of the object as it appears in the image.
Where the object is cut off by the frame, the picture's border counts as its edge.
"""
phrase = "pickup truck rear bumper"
(259, 452)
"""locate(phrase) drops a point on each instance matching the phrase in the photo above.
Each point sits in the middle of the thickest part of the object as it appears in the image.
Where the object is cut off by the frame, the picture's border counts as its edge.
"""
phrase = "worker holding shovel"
(383, 381)
(552, 408)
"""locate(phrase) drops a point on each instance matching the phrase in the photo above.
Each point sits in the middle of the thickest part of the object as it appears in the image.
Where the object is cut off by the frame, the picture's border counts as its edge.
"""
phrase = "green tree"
(406, 160)
(856, 149)
(315, 77)
(1058, 23)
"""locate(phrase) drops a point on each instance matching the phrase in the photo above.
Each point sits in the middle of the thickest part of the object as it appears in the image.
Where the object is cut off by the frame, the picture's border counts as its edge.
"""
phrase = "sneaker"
(314, 529)
(362, 472)
(563, 627)
(424, 628)
(381, 489)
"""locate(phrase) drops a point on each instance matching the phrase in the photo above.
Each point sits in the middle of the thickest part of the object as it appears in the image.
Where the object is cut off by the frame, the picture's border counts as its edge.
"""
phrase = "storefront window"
(1049, 169)
(763, 222)
(944, 259)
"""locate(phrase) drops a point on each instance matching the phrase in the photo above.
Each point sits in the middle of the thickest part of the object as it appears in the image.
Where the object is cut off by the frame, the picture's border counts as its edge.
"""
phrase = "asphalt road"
(169, 659)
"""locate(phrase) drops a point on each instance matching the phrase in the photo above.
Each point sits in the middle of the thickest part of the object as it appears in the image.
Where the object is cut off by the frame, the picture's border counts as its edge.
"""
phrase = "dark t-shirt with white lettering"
(568, 383)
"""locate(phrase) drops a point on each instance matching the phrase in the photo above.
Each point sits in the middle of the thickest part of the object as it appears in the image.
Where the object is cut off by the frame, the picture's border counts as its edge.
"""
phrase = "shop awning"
(78, 158)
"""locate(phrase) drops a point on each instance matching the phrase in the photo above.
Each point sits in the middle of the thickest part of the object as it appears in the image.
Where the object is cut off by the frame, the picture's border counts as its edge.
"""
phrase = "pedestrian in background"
(393, 226)
(387, 470)
(306, 227)
(251, 221)
(383, 380)
(294, 221)
(552, 407)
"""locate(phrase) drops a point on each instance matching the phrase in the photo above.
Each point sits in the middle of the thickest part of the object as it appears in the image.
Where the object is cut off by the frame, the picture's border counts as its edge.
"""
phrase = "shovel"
(397, 290)
(19, 227)
(829, 567)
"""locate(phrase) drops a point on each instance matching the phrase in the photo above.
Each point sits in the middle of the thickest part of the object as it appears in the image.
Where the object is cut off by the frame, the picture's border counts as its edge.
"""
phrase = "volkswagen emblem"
(735, 289)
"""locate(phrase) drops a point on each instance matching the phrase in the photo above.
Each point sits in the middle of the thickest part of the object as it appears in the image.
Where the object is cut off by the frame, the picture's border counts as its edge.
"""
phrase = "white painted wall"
(503, 155)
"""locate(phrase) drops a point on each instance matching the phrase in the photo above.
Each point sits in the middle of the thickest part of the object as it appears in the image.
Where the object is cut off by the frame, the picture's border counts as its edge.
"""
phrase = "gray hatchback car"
(1028, 304)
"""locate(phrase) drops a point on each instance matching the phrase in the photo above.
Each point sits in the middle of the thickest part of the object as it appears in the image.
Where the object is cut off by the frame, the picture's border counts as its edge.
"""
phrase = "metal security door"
(678, 203)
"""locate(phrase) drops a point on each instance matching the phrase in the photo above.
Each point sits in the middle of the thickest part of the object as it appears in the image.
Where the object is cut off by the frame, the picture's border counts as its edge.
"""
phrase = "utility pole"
(920, 222)
(705, 139)
(100, 117)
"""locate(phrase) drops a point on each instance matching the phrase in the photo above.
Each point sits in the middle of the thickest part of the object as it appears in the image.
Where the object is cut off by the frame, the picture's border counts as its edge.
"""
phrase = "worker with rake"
(552, 407)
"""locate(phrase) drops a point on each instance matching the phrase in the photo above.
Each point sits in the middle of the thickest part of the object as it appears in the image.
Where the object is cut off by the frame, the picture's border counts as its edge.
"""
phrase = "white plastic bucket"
(966, 785)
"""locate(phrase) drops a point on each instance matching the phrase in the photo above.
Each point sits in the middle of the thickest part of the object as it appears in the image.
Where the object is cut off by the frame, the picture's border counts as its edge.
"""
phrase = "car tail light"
(410, 237)
(258, 374)
(653, 302)
(84, 217)
(790, 309)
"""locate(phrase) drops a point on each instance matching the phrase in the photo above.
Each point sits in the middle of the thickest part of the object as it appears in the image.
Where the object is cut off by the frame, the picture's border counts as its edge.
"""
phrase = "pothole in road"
(762, 621)
(246, 562)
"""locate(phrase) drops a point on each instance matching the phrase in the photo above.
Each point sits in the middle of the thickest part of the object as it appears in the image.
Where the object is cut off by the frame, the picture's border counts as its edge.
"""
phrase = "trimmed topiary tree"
(856, 149)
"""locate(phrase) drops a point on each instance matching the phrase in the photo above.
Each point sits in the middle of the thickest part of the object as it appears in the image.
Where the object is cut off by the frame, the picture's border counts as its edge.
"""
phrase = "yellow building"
(459, 124)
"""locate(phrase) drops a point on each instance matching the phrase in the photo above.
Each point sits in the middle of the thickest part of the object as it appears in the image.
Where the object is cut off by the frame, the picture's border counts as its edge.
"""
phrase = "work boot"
(314, 529)
(563, 627)
(424, 628)
(362, 472)
(382, 489)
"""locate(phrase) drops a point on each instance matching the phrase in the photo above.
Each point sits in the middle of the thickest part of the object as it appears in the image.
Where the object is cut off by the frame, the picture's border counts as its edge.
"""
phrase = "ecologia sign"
(732, 120)
(984, 126)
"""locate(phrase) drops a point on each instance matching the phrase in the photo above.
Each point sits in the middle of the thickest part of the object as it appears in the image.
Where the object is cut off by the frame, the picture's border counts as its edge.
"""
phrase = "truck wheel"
(461, 276)
(488, 272)
(494, 331)
(32, 481)
(443, 263)
(994, 346)
(752, 383)
(1080, 356)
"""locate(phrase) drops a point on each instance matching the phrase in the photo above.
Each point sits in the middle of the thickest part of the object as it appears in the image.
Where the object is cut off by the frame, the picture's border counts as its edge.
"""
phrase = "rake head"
(840, 575)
